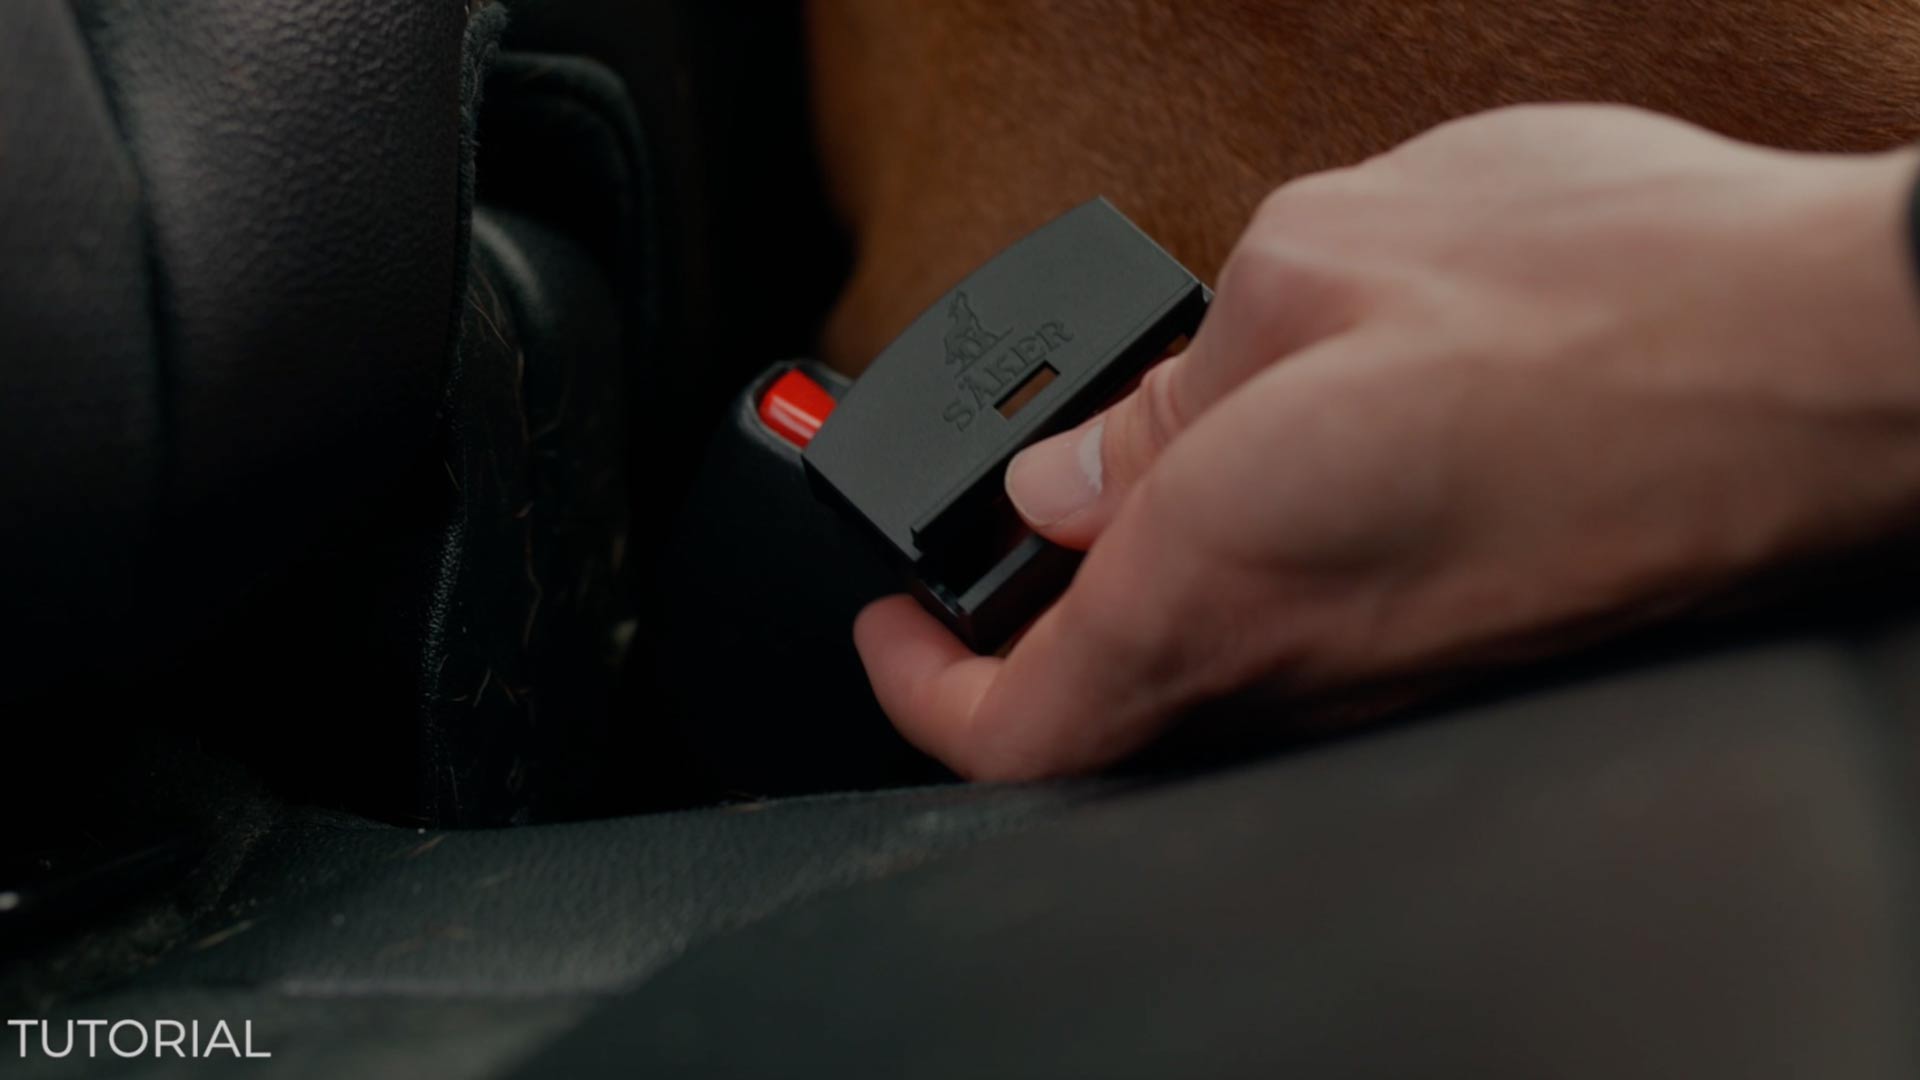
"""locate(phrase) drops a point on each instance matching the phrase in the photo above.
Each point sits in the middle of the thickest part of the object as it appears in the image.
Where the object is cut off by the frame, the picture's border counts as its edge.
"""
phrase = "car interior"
(419, 645)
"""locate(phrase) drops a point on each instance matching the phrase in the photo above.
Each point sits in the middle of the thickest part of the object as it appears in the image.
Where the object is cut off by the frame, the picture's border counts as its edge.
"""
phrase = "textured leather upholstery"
(302, 323)
(227, 344)
(278, 436)
(367, 950)
(1705, 867)
(79, 492)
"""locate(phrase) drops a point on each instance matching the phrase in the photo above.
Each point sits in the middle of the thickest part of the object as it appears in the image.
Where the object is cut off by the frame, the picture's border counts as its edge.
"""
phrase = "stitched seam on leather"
(480, 40)
(159, 305)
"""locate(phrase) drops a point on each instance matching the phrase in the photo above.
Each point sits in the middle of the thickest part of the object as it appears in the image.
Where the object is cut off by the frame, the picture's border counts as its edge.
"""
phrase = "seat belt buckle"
(1031, 344)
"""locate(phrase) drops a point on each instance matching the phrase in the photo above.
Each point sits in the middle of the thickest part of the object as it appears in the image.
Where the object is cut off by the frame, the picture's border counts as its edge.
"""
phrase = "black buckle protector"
(1029, 345)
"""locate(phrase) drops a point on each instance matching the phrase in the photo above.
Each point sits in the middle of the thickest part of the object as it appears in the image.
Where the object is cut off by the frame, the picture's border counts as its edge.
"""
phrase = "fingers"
(1052, 707)
(1068, 488)
(925, 680)
(1166, 611)
(1271, 304)
(1092, 680)
(1097, 675)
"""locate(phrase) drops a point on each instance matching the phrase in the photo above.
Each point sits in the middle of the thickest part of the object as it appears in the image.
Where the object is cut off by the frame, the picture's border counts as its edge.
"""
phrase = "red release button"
(795, 407)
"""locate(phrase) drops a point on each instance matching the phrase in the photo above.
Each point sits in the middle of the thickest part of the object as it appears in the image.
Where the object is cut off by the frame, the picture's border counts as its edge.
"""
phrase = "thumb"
(1068, 487)
(1270, 304)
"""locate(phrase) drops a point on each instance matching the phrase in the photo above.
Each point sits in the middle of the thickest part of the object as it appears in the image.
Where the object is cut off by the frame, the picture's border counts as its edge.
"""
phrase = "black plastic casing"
(1057, 325)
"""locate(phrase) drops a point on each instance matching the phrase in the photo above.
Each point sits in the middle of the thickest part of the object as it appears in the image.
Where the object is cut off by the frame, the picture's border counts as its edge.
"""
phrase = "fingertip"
(872, 621)
(899, 643)
(925, 679)
(1055, 485)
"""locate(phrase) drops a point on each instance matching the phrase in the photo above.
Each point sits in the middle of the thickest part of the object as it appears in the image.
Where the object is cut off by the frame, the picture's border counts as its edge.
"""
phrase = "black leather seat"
(1704, 867)
(293, 422)
(218, 345)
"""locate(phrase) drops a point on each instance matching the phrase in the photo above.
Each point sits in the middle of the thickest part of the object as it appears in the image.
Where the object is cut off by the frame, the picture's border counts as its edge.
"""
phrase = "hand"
(1536, 373)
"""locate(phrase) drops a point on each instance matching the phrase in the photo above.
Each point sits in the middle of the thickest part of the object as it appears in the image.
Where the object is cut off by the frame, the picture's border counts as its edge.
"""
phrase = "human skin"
(1533, 377)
